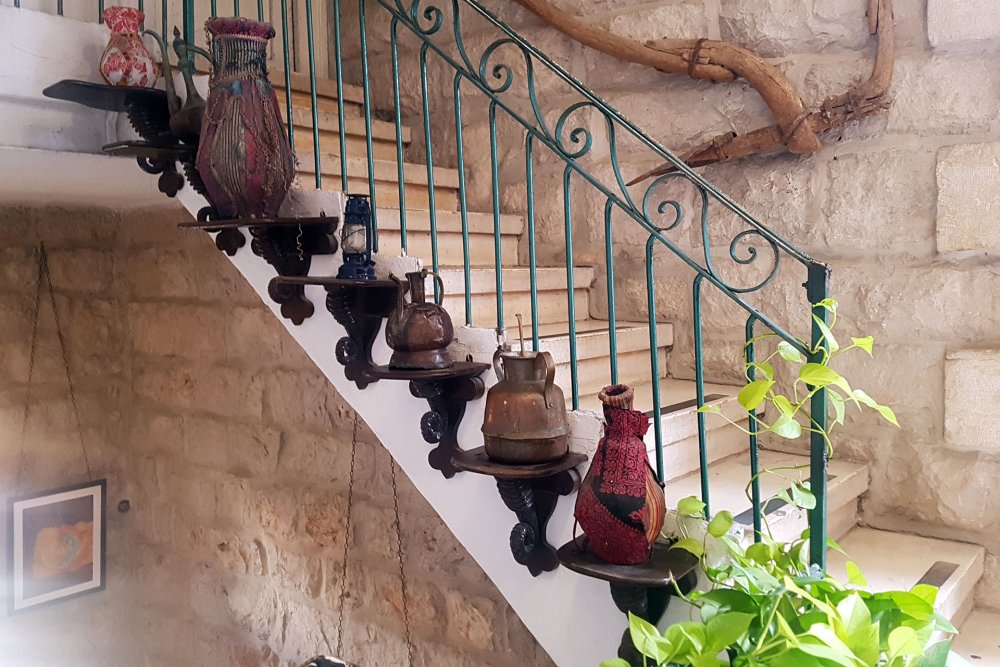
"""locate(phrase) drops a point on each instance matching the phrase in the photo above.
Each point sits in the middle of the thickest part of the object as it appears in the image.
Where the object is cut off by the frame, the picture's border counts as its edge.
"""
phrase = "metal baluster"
(59, 7)
(187, 19)
(288, 74)
(214, 8)
(164, 23)
(236, 7)
(570, 286)
(363, 21)
(100, 10)
(529, 176)
(699, 379)
(654, 358)
(310, 43)
(463, 198)
(817, 289)
(429, 145)
(398, 118)
(758, 521)
(340, 95)
(495, 191)
(260, 10)
(609, 261)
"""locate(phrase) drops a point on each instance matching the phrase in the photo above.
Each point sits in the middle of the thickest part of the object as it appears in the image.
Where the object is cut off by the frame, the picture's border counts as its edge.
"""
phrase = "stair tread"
(385, 170)
(729, 477)
(898, 561)
(594, 341)
(979, 641)
(675, 394)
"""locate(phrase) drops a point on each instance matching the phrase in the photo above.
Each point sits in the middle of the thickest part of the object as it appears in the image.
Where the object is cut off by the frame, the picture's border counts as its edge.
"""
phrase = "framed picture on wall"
(56, 542)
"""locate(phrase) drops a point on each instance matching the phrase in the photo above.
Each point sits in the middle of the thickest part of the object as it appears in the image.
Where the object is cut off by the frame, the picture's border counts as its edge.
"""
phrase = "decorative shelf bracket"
(644, 589)
(531, 492)
(447, 392)
(287, 244)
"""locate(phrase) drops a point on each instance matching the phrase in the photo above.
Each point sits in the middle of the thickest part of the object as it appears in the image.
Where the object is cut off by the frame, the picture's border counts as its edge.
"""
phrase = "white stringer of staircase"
(572, 617)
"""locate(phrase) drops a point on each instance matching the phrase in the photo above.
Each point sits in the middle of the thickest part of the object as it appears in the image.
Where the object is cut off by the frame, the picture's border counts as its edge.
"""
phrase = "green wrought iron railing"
(504, 73)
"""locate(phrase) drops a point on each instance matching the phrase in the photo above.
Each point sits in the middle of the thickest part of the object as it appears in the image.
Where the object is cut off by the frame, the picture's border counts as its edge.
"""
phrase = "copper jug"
(525, 419)
(418, 332)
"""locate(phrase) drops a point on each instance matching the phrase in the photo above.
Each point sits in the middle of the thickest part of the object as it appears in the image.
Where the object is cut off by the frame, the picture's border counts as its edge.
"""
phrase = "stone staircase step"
(551, 287)
(386, 180)
(729, 478)
(449, 229)
(679, 423)
(979, 639)
(593, 349)
(897, 561)
(326, 93)
(383, 134)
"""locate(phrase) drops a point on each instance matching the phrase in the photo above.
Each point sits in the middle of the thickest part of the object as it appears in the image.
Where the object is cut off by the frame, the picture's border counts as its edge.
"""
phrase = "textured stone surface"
(972, 397)
(968, 203)
(951, 24)
(234, 453)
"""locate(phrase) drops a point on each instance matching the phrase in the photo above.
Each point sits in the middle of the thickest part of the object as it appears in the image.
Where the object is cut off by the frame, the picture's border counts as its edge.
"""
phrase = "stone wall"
(234, 453)
(902, 206)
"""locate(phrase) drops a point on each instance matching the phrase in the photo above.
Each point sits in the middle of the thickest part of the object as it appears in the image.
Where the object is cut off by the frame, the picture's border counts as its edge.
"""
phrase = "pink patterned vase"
(243, 156)
(126, 62)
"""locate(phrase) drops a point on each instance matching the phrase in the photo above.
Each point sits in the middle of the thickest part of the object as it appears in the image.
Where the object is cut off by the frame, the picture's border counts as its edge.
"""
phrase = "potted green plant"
(767, 606)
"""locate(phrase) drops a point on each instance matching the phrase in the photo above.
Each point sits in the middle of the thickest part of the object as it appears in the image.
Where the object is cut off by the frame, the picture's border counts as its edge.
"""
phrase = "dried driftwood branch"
(795, 128)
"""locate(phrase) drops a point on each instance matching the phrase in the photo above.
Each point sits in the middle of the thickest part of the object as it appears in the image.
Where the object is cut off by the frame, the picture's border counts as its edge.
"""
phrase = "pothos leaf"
(690, 506)
(865, 343)
(690, 545)
(788, 352)
(883, 410)
(720, 523)
(752, 395)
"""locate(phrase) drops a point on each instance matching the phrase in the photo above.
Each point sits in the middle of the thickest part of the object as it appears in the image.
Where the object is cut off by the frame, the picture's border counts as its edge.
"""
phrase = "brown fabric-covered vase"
(620, 506)
(243, 156)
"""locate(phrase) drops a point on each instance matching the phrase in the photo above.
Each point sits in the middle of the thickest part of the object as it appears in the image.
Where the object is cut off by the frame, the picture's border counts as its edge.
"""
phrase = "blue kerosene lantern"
(356, 240)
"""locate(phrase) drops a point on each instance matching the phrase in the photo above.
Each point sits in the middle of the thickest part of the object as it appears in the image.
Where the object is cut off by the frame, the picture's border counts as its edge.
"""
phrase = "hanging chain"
(45, 276)
(399, 556)
(65, 358)
(31, 367)
(347, 537)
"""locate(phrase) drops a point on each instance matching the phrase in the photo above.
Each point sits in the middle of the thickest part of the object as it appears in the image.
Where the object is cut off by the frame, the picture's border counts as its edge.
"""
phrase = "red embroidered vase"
(125, 61)
(243, 156)
(620, 505)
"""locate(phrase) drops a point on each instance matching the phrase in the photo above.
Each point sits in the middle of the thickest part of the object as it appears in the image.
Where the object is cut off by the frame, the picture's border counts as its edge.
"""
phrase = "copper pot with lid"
(525, 419)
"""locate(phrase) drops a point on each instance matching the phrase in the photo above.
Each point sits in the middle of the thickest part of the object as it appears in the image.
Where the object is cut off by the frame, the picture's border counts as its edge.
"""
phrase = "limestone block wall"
(234, 454)
(902, 206)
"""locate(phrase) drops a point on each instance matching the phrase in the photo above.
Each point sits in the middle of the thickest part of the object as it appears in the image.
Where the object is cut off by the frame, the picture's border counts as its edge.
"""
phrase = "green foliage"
(769, 608)
(791, 412)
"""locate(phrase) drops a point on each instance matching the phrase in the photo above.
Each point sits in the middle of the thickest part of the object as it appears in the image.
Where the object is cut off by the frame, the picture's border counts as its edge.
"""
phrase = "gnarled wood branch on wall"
(796, 129)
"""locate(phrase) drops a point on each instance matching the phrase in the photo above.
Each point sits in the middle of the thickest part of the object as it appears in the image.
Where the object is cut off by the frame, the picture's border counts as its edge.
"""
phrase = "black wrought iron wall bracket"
(287, 244)
(447, 392)
(531, 492)
(644, 589)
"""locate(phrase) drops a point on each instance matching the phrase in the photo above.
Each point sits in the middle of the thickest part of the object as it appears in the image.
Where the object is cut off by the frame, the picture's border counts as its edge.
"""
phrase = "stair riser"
(681, 456)
(449, 247)
(329, 141)
(591, 344)
(595, 373)
(787, 527)
(552, 307)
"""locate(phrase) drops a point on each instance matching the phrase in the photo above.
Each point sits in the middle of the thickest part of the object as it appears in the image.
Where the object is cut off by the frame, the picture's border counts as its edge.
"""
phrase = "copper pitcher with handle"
(525, 420)
(419, 332)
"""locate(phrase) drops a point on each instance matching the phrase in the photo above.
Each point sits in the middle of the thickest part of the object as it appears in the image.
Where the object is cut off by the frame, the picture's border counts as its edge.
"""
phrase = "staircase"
(469, 503)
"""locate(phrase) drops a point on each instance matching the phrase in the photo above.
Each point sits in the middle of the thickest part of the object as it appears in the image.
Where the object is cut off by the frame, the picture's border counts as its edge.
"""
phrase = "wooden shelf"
(476, 461)
(103, 97)
(665, 565)
(461, 369)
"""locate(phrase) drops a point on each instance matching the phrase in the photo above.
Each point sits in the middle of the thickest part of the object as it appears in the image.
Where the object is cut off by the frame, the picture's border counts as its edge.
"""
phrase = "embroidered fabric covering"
(620, 506)
(243, 27)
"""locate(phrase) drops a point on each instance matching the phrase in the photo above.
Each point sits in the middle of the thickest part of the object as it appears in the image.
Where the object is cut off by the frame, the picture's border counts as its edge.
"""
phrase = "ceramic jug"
(418, 332)
(125, 61)
(243, 156)
(525, 419)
